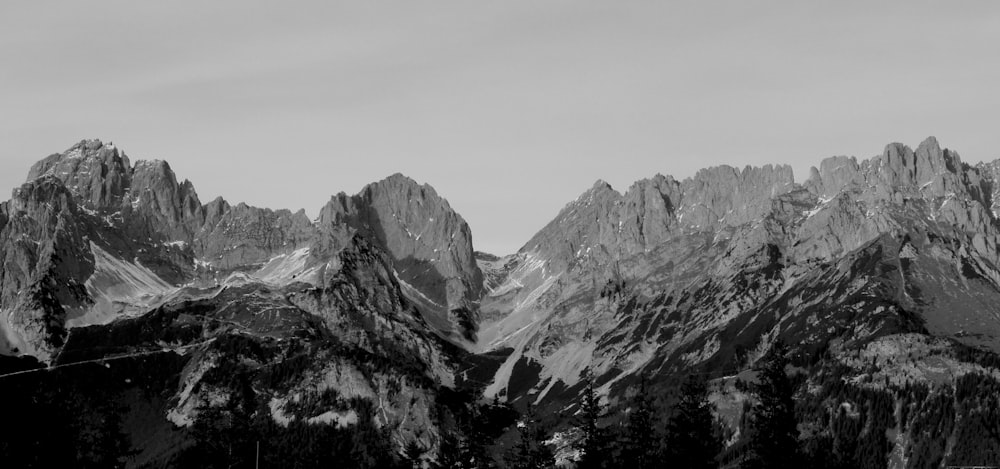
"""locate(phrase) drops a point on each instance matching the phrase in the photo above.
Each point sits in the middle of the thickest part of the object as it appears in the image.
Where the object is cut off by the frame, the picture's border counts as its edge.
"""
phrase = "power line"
(108, 359)
(96, 348)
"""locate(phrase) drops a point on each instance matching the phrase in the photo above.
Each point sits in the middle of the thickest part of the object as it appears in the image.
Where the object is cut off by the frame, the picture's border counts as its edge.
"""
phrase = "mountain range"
(882, 274)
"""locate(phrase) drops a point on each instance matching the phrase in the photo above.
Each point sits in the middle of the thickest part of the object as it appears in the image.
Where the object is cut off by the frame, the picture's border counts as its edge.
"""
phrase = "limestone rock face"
(158, 205)
(45, 257)
(362, 303)
(430, 245)
(650, 207)
(990, 182)
(930, 180)
(146, 196)
(140, 234)
(244, 235)
(899, 172)
(98, 174)
(672, 274)
(603, 225)
(725, 196)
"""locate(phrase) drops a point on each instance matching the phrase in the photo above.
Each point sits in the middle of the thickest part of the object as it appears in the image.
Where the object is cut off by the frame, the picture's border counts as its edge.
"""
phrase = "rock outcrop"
(724, 196)
(929, 180)
(158, 206)
(99, 175)
(610, 225)
(678, 274)
(146, 196)
(46, 257)
(430, 245)
(246, 236)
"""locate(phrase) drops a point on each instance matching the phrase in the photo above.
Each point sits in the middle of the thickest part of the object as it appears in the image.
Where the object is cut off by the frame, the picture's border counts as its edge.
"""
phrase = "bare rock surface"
(430, 244)
(673, 274)
(153, 235)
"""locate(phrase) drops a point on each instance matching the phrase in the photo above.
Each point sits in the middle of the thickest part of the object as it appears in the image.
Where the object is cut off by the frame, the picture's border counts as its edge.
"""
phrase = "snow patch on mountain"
(287, 268)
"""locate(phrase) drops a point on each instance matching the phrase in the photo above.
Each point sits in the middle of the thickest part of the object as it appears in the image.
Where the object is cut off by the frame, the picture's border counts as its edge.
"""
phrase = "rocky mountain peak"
(897, 173)
(44, 256)
(101, 178)
(402, 188)
(430, 244)
(98, 173)
(901, 166)
(601, 185)
(603, 224)
(168, 206)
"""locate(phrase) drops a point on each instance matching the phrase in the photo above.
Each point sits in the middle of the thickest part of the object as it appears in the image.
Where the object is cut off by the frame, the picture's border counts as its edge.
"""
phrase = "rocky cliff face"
(45, 257)
(158, 206)
(150, 234)
(430, 244)
(99, 175)
(706, 273)
(603, 225)
(354, 338)
(146, 195)
(245, 236)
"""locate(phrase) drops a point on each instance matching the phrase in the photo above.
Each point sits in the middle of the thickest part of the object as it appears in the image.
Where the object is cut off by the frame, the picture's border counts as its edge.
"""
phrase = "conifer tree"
(640, 447)
(692, 442)
(773, 432)
(594, 445)
(531, 451)
(413, 455)
(473, 451)
(450, 453)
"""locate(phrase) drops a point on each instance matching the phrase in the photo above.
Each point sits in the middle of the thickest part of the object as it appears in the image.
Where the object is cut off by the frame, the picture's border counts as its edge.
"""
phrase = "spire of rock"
(164, 205)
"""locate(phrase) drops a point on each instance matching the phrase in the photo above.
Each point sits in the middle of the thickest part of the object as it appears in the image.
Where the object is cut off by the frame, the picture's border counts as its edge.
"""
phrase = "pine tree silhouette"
(692, 442)
(413, 455)
(450, 453)
(531, 451)
(640, 447)
(594, 444)
(773, 432)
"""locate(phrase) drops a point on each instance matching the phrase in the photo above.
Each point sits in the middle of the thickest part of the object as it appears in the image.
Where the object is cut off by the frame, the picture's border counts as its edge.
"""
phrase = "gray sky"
(509, 109)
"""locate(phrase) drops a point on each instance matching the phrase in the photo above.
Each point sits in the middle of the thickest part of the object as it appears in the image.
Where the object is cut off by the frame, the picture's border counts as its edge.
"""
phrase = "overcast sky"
(509, 109)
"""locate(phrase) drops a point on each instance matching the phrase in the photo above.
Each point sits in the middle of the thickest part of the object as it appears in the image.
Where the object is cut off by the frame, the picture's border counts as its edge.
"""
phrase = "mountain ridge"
(702, 275)
(142, 212)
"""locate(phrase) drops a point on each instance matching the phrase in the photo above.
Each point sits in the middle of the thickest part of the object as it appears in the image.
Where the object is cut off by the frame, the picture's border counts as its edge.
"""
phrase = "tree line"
(74, 418)
(692, 437)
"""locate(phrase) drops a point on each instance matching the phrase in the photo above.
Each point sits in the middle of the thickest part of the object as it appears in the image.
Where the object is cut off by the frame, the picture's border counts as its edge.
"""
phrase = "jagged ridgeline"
(181, 334)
